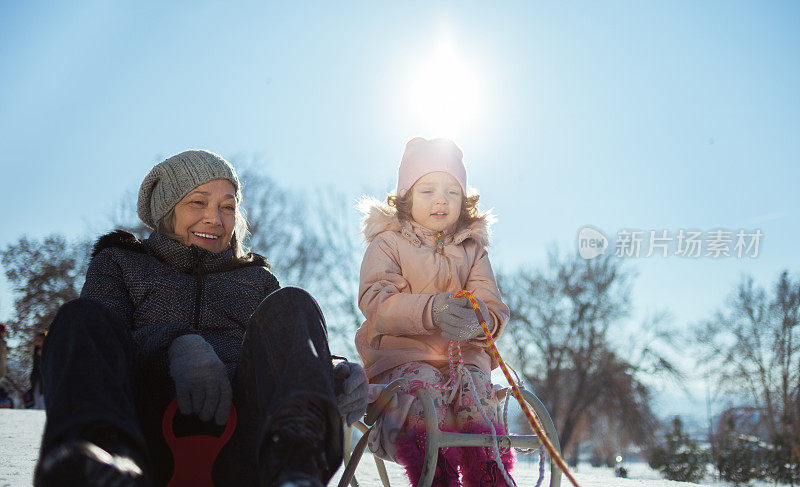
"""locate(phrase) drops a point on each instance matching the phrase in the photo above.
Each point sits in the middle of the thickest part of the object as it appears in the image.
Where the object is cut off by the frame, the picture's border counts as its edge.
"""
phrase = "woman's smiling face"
(206, 216)
(436, 201)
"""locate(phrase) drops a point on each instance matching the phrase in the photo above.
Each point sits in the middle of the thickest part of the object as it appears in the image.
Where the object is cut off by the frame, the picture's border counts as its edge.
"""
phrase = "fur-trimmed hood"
(379, 217)
(120, 239)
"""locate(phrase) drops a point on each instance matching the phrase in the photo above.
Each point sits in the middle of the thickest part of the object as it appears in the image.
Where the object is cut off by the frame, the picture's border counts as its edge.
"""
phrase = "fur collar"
(124, 240)
(120, 239)
(378, 217)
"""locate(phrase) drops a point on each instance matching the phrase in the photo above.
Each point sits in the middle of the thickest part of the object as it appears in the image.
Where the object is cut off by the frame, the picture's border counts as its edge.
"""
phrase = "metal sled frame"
(435, 438)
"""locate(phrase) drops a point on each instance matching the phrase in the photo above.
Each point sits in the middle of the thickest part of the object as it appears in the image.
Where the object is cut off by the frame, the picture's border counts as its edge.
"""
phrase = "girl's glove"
(456, 318)
(201, 382)
(352, 399)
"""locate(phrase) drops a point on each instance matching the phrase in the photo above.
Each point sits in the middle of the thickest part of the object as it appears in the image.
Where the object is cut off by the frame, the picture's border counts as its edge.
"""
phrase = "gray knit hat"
(169, 181)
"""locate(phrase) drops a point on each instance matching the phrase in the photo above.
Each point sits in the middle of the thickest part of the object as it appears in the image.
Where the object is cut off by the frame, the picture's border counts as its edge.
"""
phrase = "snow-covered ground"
(20, 432)
(525, 474)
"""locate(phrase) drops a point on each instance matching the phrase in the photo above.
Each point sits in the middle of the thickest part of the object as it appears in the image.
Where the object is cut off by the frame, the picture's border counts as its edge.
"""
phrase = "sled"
(436, 438)
(194, 455)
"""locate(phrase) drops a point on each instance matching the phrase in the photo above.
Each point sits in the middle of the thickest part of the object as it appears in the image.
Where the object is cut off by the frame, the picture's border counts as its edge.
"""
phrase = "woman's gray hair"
(241, 230)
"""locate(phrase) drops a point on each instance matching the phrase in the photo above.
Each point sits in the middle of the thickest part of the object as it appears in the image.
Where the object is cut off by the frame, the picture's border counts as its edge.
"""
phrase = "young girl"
(428, 243)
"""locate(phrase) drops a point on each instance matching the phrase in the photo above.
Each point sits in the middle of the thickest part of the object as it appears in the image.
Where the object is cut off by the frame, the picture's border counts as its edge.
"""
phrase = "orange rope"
(515, 390)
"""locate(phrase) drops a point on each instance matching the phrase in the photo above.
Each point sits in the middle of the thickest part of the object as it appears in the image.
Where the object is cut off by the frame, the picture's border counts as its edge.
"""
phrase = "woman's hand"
(456, 317)
(352, 399)
(201, 382)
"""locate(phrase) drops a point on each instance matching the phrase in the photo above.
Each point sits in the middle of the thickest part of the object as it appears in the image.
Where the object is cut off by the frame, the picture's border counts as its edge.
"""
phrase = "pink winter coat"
(403, 269)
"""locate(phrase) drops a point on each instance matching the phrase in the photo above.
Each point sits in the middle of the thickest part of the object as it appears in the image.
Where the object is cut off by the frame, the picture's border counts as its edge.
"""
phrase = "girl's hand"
(484, 312)
(455, 317)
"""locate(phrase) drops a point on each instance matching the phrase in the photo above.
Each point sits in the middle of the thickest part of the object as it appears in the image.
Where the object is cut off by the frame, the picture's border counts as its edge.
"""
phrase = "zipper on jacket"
(198, 295)
(440, 249)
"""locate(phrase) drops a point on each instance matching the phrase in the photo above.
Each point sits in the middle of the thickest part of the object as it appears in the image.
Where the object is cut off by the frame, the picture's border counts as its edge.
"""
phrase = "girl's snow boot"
(478, 465)
(411, 455)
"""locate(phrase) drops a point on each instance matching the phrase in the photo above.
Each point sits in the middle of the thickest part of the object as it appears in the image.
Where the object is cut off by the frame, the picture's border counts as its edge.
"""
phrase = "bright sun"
(445, 94)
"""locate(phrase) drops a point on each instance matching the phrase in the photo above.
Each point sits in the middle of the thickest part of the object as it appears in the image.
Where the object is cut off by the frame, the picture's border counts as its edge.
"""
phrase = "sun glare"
(445, 93)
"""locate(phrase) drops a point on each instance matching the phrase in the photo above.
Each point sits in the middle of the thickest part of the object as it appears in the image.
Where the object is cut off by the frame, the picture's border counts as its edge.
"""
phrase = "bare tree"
(280, 228)
(562, 319)
(124, 216)
(312, 241)
(337, 286)
(752, 348)
(44, 274)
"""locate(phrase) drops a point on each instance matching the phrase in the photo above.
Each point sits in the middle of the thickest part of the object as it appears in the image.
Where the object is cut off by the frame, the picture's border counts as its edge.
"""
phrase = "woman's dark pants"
(91, 378)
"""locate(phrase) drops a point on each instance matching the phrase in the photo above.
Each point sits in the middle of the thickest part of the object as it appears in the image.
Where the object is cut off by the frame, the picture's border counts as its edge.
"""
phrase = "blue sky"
(642, 115)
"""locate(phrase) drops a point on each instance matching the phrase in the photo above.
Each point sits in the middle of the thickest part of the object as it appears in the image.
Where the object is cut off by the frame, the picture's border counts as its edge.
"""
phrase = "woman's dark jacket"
(164, 289)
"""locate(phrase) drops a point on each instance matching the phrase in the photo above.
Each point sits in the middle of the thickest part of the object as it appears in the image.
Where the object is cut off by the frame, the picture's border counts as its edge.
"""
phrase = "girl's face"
(436, 201)
(206, 216)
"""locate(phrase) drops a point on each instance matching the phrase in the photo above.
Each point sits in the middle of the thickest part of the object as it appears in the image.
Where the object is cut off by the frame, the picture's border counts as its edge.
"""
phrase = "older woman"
(189, 314)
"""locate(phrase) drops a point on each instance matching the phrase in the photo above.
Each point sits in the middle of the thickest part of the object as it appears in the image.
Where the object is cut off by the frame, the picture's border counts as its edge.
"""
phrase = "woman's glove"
(352, 398)
(201, 382)
(456, 317)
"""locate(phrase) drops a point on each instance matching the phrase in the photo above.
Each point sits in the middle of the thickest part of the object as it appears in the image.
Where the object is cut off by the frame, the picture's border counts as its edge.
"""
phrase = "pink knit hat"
(424, 156)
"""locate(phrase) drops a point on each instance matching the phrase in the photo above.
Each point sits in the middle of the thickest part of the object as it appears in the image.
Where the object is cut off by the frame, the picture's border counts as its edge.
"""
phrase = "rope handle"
(515, 390)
